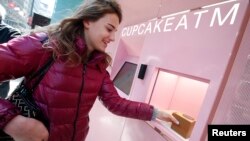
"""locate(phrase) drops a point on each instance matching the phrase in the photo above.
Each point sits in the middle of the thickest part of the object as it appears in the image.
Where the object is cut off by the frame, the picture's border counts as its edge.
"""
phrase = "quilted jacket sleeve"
(123, 107)
(18, 57)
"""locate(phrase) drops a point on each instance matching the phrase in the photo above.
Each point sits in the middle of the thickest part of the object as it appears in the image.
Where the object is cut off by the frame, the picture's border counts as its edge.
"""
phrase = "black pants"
(4, 89)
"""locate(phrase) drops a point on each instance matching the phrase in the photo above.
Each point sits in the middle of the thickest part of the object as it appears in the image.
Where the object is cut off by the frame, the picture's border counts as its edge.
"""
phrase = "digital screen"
(124, 78)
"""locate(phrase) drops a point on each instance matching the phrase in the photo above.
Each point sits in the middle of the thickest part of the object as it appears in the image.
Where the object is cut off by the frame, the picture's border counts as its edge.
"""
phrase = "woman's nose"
(112, 37)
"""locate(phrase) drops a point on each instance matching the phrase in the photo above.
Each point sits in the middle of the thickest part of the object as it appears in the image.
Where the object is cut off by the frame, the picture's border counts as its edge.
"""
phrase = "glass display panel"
(124, 78)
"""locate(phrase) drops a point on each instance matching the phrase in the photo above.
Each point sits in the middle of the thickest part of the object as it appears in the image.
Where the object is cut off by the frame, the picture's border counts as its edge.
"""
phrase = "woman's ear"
(86, 24)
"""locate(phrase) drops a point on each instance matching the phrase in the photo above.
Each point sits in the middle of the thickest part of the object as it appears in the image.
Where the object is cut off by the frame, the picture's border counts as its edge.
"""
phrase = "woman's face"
(98, 34)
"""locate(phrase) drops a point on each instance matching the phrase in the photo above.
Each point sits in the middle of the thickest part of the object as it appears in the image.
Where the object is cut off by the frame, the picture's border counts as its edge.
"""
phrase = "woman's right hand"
(26, 129)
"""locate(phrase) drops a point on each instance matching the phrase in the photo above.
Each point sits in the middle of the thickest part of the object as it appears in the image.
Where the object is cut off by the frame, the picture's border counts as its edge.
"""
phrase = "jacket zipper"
(79, 100)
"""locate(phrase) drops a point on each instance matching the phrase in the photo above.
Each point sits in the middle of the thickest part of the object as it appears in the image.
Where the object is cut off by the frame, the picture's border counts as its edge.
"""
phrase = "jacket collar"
(96, 57)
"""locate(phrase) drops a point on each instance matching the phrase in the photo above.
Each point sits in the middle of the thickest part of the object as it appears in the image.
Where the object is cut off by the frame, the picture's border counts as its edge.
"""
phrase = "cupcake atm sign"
(187, 19)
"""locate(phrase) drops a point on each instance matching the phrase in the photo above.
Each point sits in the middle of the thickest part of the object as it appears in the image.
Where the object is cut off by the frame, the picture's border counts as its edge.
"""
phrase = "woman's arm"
(127, 108)
(121, 106)
(20, 56)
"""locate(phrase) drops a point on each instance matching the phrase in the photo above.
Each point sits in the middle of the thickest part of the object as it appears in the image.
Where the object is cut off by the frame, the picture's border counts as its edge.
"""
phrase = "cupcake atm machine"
(187, 62)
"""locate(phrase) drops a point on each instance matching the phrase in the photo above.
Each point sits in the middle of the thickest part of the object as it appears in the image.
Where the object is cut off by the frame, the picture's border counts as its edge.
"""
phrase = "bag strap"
(40, 73)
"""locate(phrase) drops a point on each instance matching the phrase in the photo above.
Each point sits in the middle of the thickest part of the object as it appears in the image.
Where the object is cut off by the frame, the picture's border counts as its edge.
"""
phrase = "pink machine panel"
(195, 64)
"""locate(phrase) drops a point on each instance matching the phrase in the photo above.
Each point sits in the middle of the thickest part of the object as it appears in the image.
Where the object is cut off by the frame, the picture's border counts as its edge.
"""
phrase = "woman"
(78, 76)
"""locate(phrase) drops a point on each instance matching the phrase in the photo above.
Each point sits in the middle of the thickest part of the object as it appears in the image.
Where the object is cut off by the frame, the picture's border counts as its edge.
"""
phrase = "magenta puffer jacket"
(66, 94)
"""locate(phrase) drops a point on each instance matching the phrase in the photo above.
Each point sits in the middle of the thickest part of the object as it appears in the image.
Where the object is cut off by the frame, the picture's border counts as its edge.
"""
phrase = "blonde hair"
(64, 34)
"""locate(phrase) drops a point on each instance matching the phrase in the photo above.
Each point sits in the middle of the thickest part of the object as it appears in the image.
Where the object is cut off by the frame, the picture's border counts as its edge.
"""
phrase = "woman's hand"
(166, 115)
(26, 129)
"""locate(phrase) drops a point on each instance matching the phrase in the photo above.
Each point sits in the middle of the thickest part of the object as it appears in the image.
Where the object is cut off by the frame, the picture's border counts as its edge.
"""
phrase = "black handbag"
(22, 98)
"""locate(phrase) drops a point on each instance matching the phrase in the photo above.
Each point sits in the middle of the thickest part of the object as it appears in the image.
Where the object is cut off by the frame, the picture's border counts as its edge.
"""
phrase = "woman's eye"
(109, 30)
